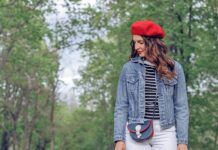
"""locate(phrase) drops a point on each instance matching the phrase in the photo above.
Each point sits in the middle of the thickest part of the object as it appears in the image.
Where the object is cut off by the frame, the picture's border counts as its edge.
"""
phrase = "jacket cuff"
(119, 138)
(182, 141)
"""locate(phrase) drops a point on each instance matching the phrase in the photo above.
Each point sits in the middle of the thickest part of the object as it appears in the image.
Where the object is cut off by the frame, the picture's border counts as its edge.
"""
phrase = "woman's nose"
(136, 46)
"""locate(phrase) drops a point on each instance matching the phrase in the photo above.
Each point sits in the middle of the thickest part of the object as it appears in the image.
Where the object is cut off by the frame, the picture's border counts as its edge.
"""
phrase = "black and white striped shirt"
(151, 92)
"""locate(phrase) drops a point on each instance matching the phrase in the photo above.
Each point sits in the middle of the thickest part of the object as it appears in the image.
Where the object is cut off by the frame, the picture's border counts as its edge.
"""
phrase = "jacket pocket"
(169, 85)
(132, 79)
(170, 82)
(132, 83)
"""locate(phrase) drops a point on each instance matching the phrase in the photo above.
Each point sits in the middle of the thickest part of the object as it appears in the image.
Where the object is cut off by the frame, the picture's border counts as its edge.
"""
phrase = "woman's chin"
(141, 55)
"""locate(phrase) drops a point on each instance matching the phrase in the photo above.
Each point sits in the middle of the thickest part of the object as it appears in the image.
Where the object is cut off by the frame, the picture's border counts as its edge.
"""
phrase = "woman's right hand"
(120, 145)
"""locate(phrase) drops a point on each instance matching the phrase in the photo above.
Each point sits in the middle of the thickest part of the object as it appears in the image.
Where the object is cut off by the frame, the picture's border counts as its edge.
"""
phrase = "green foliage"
(204, 126)
(29, 69)
(82, 129)
(27, 77)
(191, 35)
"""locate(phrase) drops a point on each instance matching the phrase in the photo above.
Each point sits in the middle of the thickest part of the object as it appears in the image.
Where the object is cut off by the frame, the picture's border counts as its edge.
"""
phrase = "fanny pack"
(141, 131)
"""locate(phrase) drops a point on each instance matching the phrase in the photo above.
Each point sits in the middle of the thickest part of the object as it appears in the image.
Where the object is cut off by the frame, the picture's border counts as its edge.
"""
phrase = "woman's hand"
(182, 147)
(120, 145)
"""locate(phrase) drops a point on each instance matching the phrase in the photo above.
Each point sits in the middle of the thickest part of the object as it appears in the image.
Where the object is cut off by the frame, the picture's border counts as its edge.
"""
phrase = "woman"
(152, 89)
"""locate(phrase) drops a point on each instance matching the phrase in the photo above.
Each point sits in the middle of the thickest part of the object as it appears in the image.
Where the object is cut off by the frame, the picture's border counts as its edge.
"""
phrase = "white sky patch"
(60, 14)
(70, 62)
(70, 58)
(91, 2)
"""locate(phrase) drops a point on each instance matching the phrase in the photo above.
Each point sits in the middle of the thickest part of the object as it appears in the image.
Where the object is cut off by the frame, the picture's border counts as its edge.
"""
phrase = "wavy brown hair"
(157, 53)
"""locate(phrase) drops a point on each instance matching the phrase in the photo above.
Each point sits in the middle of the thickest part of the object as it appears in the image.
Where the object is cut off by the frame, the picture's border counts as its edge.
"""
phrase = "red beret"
(147, 28)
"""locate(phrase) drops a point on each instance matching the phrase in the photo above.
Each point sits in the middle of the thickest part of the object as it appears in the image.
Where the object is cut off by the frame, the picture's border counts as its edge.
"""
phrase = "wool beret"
(147, 28)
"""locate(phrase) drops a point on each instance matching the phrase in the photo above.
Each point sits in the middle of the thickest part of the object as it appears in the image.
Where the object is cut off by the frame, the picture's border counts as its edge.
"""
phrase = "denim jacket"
(130, 101)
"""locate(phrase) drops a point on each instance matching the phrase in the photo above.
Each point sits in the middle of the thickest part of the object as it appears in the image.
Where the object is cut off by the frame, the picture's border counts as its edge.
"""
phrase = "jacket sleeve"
(181, 107)
(121, 107)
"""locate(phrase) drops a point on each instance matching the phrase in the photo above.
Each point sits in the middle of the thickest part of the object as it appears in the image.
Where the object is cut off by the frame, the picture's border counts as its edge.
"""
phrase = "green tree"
(191, 35)
(27, 77)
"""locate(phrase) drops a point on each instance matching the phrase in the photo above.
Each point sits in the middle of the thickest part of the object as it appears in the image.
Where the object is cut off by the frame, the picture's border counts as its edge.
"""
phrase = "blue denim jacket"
(130, 102)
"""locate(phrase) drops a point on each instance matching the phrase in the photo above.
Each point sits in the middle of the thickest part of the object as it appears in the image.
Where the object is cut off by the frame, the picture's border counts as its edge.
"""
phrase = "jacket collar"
(141, 60)
(138, 59)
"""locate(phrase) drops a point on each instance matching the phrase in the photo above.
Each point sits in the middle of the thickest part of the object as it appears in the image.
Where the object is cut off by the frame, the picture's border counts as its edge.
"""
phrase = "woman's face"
(139, 45)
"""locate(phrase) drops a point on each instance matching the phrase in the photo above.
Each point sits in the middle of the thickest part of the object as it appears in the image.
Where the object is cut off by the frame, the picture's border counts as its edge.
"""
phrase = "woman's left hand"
(182, 147)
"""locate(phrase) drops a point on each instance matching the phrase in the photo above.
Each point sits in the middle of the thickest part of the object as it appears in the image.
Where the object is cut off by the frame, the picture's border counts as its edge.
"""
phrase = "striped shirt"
(151, 92)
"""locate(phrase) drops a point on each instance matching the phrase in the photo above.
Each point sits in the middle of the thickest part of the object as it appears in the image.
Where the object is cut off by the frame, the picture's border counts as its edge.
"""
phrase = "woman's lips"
(141, 53)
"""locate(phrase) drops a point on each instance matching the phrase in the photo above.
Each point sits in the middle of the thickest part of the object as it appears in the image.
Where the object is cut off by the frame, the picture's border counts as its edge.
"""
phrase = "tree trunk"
(5, 140)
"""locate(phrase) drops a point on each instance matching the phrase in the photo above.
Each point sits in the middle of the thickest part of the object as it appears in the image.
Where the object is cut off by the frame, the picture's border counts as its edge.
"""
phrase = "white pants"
(162, 139)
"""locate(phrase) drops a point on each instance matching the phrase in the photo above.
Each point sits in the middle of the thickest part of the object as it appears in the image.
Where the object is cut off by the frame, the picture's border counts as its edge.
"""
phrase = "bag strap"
(155, 94)
(154, 106)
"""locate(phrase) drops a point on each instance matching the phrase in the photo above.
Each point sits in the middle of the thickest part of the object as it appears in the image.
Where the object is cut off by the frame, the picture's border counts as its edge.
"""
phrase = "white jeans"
(162, 139)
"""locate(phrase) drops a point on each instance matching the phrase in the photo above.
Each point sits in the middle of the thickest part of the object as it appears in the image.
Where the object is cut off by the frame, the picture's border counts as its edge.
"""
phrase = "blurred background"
(60, 61)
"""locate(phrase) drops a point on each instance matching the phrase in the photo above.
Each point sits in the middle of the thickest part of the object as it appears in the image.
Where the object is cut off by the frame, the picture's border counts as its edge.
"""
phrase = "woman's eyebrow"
(138, 40)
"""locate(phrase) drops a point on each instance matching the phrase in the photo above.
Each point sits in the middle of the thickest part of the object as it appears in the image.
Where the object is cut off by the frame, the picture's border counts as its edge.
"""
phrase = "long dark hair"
(157, 53)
